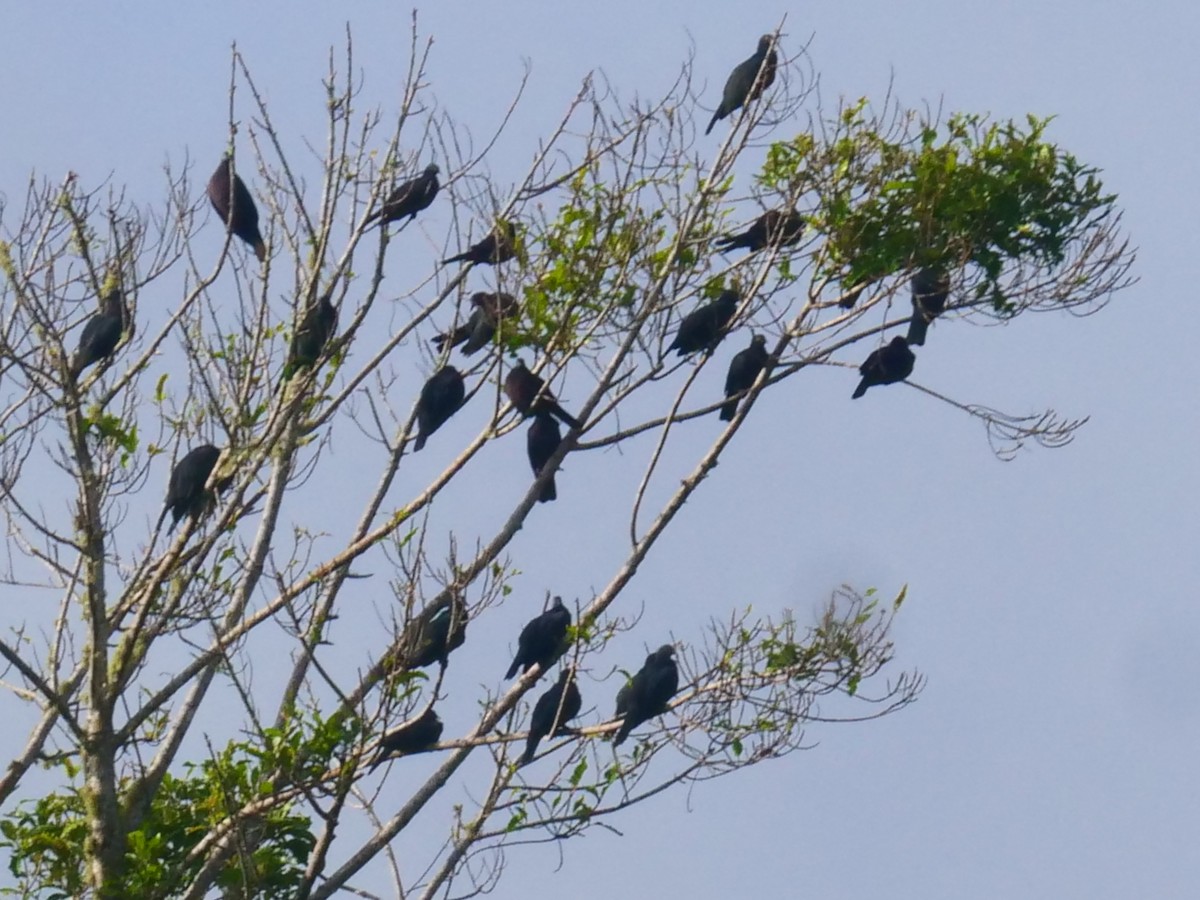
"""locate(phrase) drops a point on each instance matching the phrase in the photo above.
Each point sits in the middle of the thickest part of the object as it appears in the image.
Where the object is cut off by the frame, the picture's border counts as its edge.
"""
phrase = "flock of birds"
(431, 636)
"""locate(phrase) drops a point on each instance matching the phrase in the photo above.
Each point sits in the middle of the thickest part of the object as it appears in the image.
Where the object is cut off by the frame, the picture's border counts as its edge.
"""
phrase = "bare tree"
(176, 767)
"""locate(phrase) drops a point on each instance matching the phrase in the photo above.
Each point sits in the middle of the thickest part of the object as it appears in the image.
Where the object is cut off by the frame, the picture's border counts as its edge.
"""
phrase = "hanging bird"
(745, 83)
(552, 711)
(310, 336)
(774, 227)
(649, 692)
(187, 489)
(101, 334)
(530, 396)
(499, 246)
(440, 398)
(541, 443)
(408, 198)
(416, 736)
(480, 327)
(703, 327)
(743, 371)
(235, 206)
(930, 290)
(886, 365)
(431, 635)
(542, 640)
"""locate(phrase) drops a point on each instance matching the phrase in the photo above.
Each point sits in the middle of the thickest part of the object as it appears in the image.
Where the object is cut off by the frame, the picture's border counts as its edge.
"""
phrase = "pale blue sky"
(1052, 599)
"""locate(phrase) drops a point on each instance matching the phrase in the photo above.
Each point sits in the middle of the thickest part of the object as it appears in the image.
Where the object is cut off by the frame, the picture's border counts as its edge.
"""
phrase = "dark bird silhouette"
(930, 290)
(542, 640)
(559, 705)
(541, 442)
(432, 635)
(310, 336)
(743, 371)
(440, 398)
(415, 736)
(886, 365)
(480, 327)
(233, 203)
(745, 84)
(649, 692)
(850, 295)
(101, 334)
(187, 489)
(499, 246)
(409, 198)
(703, 327)
(774, 227)
(529, 394)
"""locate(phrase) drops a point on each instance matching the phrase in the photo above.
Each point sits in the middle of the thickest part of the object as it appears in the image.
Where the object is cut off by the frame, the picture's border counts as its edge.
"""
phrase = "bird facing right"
(890, 363)
(101, 334)
(649, 691)
(233, 203)
(745, 83)
(743, 372)
(542, 639)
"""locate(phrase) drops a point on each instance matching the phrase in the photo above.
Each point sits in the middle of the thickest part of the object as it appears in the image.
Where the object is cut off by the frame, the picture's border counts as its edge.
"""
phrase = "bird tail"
(727, 242)
(162, 518)
(712, 124)
(420, 442)
(76, 367)
(260, 250)
(861, 389)
(729, 410)
(530, 749)
(622, 733)
(453, 259)
(549, 492)
(917, 327)
(512, 670)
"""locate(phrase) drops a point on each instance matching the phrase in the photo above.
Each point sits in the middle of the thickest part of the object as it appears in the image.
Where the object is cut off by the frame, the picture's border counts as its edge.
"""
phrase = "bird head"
(432, 169)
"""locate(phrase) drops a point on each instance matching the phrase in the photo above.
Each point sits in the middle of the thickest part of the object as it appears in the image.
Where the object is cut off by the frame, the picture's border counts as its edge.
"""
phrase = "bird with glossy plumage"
(557, 706)
(233, 203)
(649, 692)
(499, 246)
(542, 640)
(743, 372)
(888, 364)
(188, 493)
(479, 329)
(441, 397)
(541, 443)
(530, 397)
(416, 736)
(408, 198)
(704, 327)
(311, 336)
(432, 635)
(748, 80)
(773, 228)
(101, 334)
(930, 291)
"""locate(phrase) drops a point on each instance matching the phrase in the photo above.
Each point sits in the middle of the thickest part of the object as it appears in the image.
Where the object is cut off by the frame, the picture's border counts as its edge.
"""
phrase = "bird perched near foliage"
(408, 198)
(748, 80)
(480, 327)
(541, 443)
(559, 705)
(416, 736)
(233, 203)
(440, 398)
(432, 635)
(773, 228)
(703, 327)
(499, 246)
(101, 334)
(930, 290)
(890, 363)
(743, 371)
(310, 336)
(187, 490)
(542, 640)
(530, 396)
(649, 691)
